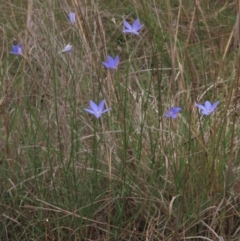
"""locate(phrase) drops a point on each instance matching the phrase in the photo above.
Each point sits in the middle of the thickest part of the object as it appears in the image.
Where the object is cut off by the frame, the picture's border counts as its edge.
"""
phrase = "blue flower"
(71, 17)
(67, 48)
(208, 108)
(134, 29)
(97, 110)
(17, 49)
(111, 62)
(172, 112)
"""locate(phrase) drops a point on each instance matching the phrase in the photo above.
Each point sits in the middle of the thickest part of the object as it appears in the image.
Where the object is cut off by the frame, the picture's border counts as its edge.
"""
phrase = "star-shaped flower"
(173, 112)
(17, 49)
(134, 29)
(208, 108)
(72, 18)
(97, 110)
(68, 48)
(111, 63)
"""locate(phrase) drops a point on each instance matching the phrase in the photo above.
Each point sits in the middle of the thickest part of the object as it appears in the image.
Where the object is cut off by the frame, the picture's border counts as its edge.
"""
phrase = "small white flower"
(67, 48)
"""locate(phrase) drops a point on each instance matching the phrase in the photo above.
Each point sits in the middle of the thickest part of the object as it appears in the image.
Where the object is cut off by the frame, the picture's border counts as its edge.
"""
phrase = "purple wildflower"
(173, 112)
(111, 63)
(97, 110)
(134, 29)
(17, 49)
(208, 108)
(72, 18)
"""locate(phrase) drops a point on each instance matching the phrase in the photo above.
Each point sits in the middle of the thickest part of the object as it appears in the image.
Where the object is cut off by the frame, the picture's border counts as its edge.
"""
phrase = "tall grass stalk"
(132, 174)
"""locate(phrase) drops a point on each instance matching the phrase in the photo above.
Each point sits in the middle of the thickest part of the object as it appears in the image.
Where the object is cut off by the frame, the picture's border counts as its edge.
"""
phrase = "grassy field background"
(132, 174)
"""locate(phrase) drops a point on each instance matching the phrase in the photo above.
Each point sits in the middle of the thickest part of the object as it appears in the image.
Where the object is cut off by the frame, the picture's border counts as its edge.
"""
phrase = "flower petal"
(206, 112)
(136, 25)
(110, 59)
(71, 17)
(168, 114)
(128, 31)
(176, 109)
(89, 111)
(202, 107)
(116, 61)
(106, 110)
(106, 64)
(214, 106)
(68, 48)
(101, 106)
(208, 105)
(94, 106)
(127, 25)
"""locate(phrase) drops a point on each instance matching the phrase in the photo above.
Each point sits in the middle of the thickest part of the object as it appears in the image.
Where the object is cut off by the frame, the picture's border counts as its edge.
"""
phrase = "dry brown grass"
(132, 175)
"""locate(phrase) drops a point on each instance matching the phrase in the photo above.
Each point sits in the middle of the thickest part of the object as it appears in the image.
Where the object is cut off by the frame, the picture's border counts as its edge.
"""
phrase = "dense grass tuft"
(132, 174)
